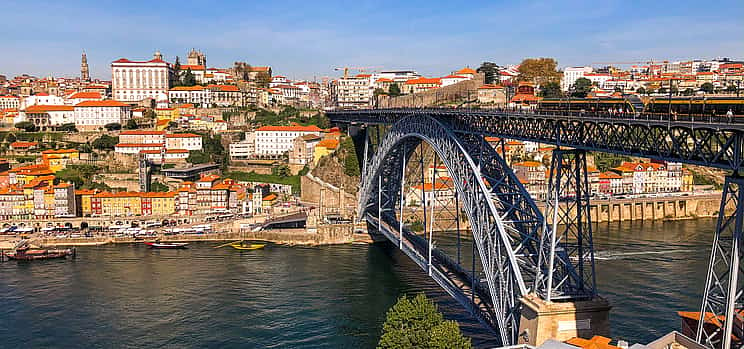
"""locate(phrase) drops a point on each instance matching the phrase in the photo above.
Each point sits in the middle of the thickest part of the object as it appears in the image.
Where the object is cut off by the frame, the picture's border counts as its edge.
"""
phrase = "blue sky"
(306, 39)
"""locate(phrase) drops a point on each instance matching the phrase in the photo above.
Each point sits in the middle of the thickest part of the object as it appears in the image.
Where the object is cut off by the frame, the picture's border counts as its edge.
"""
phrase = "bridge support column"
(722, 298)
(566, 304)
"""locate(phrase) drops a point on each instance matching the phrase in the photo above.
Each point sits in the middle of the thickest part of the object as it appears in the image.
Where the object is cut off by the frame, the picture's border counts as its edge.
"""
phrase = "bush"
(417, 323)
(67, 127)
(26, 126)
(198, 157)
(112, 126)
(105, 142)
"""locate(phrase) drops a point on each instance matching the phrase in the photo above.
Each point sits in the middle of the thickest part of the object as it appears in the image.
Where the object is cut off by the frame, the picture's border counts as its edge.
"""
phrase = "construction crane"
(359, 69)
(623, 63)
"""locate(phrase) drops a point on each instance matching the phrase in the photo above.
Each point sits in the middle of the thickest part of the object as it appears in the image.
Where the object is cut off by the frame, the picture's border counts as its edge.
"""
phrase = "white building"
(571, 74)
(354, 91)
(44, 116)
(243, 149)
(96, 114)
(10, 102)
(453, 79)
(79, 97)
(135, 81)
(143, 137)
(188, 141)
(42, 99)
(136, 148)
(273, 141)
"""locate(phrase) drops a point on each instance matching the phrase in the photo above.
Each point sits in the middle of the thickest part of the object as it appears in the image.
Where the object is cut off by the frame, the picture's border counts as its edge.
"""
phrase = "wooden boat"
(38, 254)
(166, 245)
(245, 245)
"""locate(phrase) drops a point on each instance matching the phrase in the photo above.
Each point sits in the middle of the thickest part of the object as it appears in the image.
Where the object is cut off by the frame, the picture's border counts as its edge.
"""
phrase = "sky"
(308, 39)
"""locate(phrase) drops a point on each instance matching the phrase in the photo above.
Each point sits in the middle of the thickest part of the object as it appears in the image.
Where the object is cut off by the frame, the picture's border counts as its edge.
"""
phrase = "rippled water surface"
(127, 296)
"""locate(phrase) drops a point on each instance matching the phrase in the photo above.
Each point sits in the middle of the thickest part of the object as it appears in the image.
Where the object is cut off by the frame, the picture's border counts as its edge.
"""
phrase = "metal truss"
(722, 298)
(567, 245)
(698, 143)
(504, 220)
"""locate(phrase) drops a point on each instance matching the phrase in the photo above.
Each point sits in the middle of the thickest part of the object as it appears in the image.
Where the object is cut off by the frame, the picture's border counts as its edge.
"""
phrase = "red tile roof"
(105, 103)
(182, 135)
(48, 108)
(88, 95)
(424, 81)
(141, 133)
(311, 128)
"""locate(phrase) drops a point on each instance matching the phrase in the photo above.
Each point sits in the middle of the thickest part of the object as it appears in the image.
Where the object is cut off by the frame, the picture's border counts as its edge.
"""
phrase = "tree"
(149, 114)
(112, 126)
(198, 157)
(641, 91)
(69, 127)
(189, 79)
(131, 124)
(490, 71)
(394, 90)
(85, 148)
(731, 88)
(351, 164)
(551, 90)
(177, 71)
(581, 87)
(688, 92)
(707, 87)
(539, 70)
(27, 126)
(158, 187)
(281, 170)
(10, 138)
(105, 142)
(416, 323)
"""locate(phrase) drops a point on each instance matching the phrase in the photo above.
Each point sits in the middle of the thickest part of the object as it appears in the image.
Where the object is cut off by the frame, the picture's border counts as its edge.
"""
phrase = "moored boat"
(245, 245)
(23, 252)
(166, 245)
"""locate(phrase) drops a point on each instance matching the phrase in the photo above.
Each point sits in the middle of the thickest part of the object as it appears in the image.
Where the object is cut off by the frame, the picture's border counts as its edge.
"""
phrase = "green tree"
(731, 88)
(641, 91)
(551, 90)
(69, 127)
(581, 87)
(158, 187)
(350, 162)
(539, 70)
(105, 142)
(112, 126)
(198, 157)
(85, 148)
(27, 126)
(10, 138)
(490, 71)
(394, 90)
(378, 91)
(177, 71)
(188, 78)
(417, 323)
(688, 92)
(149, 114)
(707, 87)
(281, 170)
(131, 125)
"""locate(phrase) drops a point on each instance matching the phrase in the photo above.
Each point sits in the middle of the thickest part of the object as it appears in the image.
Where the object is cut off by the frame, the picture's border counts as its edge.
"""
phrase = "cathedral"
(197, 58)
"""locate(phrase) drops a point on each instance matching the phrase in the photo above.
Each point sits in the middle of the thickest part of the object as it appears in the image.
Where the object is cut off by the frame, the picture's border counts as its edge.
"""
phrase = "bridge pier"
(723, 298)
(566, 304)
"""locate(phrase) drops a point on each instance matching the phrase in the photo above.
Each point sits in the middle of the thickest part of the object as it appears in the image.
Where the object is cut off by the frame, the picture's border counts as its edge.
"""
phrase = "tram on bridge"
(658, 105)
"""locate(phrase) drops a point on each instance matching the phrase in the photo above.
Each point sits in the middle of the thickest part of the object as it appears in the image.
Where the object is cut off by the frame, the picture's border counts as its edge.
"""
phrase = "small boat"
(245, 245)
(166, 245)
(23, 252)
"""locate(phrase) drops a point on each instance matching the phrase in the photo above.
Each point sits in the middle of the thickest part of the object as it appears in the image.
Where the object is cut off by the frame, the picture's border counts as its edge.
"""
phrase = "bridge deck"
(712, 142)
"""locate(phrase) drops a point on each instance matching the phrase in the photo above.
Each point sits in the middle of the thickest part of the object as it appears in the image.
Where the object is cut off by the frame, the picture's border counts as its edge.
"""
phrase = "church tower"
(84, 73)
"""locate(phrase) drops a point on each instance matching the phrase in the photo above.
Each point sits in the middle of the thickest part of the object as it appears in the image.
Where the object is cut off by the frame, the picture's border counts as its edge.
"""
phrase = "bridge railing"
(707, 118)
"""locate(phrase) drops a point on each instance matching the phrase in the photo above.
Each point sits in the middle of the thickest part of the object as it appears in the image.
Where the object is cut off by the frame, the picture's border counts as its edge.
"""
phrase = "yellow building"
(166, 113)
(57, 159)
(26, 174)
(159, 203)
(323, 148)
(83, 198)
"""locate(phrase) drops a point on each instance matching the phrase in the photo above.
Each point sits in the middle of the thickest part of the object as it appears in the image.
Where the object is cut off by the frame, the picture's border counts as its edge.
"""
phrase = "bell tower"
(84, 72)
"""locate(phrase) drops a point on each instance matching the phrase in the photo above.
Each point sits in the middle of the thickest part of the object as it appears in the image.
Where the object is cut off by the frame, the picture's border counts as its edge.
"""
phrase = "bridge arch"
(505, 222)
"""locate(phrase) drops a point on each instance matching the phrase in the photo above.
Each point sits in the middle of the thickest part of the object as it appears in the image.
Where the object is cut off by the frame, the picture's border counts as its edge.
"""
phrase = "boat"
(24, 252)
(166, 245)
(246, 245)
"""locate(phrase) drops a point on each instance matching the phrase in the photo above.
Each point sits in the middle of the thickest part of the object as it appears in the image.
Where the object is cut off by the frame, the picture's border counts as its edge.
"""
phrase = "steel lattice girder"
(706, 144)
(504, 220)
(567, 245)
(723, 296)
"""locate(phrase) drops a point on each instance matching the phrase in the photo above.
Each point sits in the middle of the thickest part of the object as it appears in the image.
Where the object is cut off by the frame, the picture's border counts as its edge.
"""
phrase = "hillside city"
(163, 136)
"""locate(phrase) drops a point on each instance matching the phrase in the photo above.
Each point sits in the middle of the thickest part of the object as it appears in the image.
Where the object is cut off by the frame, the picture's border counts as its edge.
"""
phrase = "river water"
(128, 296)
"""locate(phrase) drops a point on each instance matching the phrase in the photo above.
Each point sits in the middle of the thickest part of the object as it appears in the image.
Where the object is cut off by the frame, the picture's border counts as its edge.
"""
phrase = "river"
(127, 296)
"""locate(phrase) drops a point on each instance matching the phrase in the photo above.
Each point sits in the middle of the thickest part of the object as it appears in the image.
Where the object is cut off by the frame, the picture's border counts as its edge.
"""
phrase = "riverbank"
(323, 235)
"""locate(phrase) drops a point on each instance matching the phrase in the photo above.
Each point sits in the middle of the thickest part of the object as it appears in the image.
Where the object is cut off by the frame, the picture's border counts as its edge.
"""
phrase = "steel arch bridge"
(518, 252)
